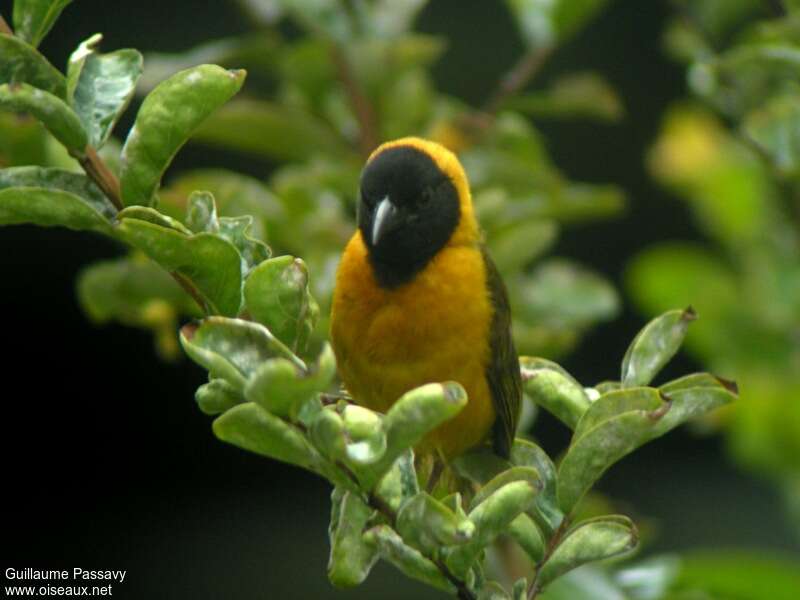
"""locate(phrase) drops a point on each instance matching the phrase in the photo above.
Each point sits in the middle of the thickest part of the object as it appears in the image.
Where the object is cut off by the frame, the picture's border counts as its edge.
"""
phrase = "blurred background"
(109, 464)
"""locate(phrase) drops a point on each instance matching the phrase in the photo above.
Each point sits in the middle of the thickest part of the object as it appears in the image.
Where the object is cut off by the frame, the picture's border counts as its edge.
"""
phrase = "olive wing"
(502, 371)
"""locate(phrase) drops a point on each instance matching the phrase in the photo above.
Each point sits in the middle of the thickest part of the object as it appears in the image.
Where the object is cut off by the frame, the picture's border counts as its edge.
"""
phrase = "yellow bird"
(418, 299)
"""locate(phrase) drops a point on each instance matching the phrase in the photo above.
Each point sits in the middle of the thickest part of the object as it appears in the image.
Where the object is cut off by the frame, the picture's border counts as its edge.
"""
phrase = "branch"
(379, 504)
(514, 80)
(97, 170)
(365, 115)
(5, 27)
(535, 588)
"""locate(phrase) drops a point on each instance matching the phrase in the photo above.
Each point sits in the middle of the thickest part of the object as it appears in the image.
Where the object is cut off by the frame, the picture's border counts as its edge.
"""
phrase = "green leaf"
(411, 417)
(33, 19)
(23, 141)
(491, 518)
(555, 390)
(617, 402)
(426, 524)
(100, 86)
(544, 24)
(250, 427)
(270, 131)
(515, 246)
(232, 349)
(282, 386)
(585, 95)
(526, 533)
(654, 346)
(151, 215)
(775, 129)
(23, 64)
(53, 112)
(528, 474)
(50, 208)
(58, 179)
(327, 435)
(589, 541)
(546, 511)
(649, 579)
(401, 483)
(388, 18)
(211, 263)
(167, 118)
(234, 195)
(366, 438)
(564, 294)
(351, 558)
(741, 574)
(598, 448)
(137, 292)
(277, 295)
(409, 560)
(217, 396)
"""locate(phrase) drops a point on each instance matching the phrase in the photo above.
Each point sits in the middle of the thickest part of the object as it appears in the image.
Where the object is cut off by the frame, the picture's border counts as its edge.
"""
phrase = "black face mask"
(408, 210)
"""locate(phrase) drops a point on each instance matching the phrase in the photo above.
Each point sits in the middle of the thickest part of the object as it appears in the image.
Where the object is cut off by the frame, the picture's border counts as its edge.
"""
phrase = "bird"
(417, 299)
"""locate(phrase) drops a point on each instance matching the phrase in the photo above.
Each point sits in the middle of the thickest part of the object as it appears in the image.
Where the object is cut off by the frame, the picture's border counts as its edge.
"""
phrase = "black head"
(408, 210)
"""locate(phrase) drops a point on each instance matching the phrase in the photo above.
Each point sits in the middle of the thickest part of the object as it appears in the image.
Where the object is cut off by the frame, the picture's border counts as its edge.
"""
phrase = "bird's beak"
(384, 219)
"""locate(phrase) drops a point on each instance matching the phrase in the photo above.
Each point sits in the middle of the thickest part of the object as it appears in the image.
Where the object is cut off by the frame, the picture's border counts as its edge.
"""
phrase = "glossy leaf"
(528, 474)
(589, 541)
(366, 439)
(400, 483)
(271, 131)
(232, 349)
(597, 449)
(555, 391)
(23, 64)
(351, 558)
(284, 387)
(426, 524)
(100, 86)
(411, 417)
(617, 402)
(234, 195)
(250, 427)
(211, 263)
(53, 112)
(526, 533)
(167, 118)
(217, 396)
(328, 436)
(654, 346)
(277, 295)
(154, 217)
(409, 560)
(33, 19)
(546, 512)
(58, 179)
(50, 208)
(491, 518)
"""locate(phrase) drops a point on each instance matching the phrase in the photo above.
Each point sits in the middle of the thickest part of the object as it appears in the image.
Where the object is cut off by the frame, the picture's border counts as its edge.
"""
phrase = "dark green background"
(110, 465)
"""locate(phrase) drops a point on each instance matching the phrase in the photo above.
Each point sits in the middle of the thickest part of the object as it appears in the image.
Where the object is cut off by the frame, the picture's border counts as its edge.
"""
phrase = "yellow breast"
(434, 328)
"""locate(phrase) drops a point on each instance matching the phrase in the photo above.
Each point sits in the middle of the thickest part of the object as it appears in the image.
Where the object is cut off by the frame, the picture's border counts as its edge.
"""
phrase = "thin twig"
(514, 80)
(552, 544)
(364, 112)
(5, 27)
(377, 503)
(97, 170)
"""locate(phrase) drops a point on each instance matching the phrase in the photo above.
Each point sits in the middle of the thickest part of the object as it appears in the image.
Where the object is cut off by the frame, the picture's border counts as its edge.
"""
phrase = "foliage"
(203, 247)
(731, 155)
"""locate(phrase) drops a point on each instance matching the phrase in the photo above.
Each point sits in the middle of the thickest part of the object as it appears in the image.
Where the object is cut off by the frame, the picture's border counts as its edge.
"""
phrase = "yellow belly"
(435, 328)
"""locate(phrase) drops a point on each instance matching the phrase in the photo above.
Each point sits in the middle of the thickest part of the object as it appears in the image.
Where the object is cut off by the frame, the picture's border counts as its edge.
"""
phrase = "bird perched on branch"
(419, 300)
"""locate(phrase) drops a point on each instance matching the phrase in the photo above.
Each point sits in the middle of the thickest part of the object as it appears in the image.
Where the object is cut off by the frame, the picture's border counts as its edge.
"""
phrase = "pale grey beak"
(383, 220)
